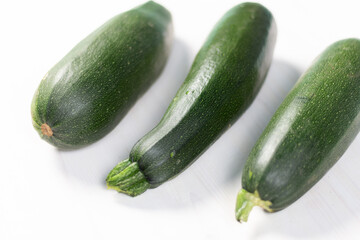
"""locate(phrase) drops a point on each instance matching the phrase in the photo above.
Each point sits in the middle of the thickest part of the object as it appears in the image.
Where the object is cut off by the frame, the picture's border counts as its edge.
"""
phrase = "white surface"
(49, 194)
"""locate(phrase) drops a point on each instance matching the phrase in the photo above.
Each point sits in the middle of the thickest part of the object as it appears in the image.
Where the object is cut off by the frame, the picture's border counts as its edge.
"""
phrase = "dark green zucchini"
(89, 91)
(224, 79)
(308, 133)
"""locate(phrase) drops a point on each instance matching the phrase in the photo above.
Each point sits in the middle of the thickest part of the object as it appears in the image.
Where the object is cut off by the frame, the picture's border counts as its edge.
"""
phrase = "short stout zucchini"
(225, 77)
(88, 92)
(309, 132)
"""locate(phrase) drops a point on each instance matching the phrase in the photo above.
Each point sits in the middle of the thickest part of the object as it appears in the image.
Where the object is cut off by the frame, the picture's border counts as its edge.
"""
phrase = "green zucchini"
(307, 135)
(225, 77)
(89, 91)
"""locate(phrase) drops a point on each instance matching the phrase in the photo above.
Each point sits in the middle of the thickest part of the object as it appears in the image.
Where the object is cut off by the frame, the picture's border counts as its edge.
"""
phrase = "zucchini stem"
(246, 201)
(127, 178)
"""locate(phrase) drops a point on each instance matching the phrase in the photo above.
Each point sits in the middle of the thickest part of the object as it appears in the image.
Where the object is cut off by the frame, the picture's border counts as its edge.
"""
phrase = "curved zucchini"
(89, 91)
(308, 133)
(224, 79)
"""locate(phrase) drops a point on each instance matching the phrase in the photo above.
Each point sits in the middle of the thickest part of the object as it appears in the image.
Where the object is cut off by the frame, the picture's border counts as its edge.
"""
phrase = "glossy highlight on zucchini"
(223, 81)
(307, 135)
(86, 94)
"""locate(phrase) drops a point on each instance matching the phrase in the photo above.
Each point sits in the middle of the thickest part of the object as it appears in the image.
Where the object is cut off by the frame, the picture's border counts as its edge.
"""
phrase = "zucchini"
(86, 94)
(224, 79)
(307, 135)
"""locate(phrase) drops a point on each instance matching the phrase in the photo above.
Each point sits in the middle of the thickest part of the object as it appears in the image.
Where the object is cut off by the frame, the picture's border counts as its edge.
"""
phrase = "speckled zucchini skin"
(89, 91)
(224, 79)
(311, 129)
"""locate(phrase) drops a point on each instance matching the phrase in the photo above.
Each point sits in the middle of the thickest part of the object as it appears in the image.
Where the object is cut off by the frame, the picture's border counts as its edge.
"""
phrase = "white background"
(50, 194)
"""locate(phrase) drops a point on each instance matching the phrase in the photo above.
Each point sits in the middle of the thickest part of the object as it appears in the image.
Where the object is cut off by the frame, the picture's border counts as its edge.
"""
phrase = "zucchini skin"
(311, 129)
(86, 94)
(224, 79)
